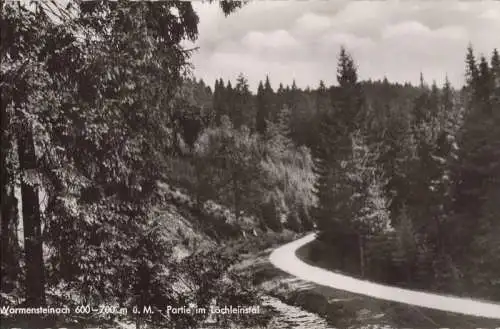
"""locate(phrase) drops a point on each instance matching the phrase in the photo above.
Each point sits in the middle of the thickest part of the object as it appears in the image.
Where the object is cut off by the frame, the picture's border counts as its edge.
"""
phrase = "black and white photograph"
(265, 164)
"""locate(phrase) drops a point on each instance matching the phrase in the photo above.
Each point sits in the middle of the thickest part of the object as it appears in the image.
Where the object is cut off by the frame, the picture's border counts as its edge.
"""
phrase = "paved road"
(285, 259)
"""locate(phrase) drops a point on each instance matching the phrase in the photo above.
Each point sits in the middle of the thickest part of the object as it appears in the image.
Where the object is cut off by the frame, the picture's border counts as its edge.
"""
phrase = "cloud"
(301, 39)
(452, 32)
(492, 13)
(348, 40)
(279, 40)
(407, 29)
(310, 23)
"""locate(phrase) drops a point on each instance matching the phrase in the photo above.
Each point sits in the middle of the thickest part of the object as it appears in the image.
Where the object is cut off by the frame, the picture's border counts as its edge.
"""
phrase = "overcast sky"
(301, 39)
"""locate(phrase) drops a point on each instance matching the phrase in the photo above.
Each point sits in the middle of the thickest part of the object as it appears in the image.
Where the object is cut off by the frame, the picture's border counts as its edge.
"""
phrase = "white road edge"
(284, 258)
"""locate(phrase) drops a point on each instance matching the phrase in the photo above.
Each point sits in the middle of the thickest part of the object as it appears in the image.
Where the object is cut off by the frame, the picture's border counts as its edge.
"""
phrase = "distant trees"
(243, 112)
(236, 103)
(265, 105)
(288, 173)
(219, 98)
(264, 176)
(322, 100)
(279, 184)
(234, 155)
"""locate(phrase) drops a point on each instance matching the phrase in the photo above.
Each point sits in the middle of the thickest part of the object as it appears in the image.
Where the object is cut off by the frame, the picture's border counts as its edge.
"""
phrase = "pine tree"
(349, 104)
(281, 100)
(322, 100)
(297, 115)
(422, 84)
(495, 70)
(405, 253)
(425, 203)
(32, 222)
(444, 157)
(279, 133)
(334, 191)
(242, 113)
(368, 203)
(262, 114)
(229, 99)
(219, 98)
(396, 156)
(471, 70)
(448, 115)
(485, 86)
(270, 100)
(265, 106)
(479, 156)
(434, 99)
(477, 184)
(322, 104)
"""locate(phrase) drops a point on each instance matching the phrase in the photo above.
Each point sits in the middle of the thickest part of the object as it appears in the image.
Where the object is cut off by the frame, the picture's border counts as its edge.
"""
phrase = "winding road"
(285, 258)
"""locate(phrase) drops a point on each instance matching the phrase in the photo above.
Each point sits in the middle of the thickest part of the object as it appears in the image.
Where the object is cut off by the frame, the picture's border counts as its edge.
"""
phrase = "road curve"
(285, 259)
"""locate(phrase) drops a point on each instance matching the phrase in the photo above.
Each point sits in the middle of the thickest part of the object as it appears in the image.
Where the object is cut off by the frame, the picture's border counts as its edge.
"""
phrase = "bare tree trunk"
(35, 276)
(8, 209)
(9, 218)
(9, 263)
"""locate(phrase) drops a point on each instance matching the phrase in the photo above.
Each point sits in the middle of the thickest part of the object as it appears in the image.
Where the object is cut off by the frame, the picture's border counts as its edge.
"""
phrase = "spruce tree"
(321, 104)
(485, 86)
(241, 114)
(332, 154)
(279, 132)
(477, 184)
(471, 70)
(447, 111)
(425, 202)
(350, 101)
(270, 101)
(229, 98)
(322, 101)
(495, 70)
(265, 106)
(281, 97)
(479, 150)
(262, 114)
(395, 156)
(219, 99)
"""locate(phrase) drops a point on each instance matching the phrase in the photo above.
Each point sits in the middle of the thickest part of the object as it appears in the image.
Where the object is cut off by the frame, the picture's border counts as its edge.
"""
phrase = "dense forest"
(100, 112)
(405, 177)
(411, 185)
